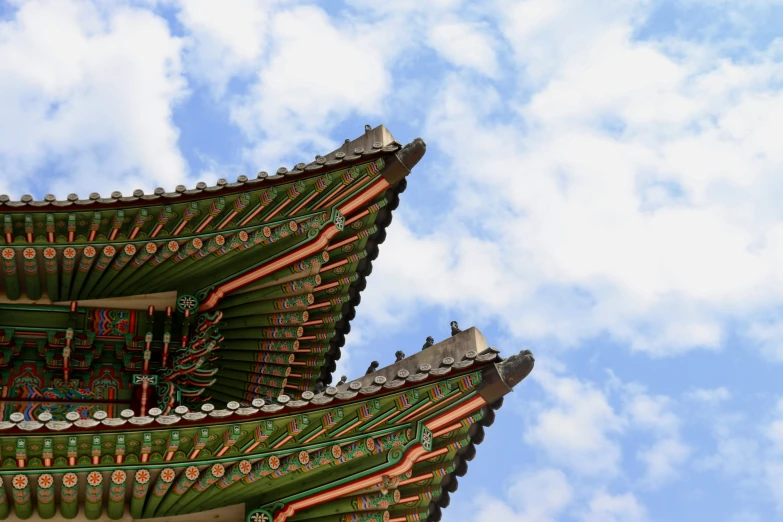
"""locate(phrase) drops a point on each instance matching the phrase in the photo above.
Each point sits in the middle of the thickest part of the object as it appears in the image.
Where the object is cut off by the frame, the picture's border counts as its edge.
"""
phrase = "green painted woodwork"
(5, 507)
(256, 472)
(20, 492)
(45, 496)
(134, 250)
(245, 325)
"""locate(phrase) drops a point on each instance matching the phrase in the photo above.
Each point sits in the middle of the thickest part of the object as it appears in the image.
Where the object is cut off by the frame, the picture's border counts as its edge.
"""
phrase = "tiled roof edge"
(372, 143)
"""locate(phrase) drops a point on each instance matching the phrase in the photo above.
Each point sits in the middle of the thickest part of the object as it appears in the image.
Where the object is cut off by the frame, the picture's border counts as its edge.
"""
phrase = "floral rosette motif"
(209, 478)
(186, 480)
(118, 476)
(337, 452)
(21, 491)
(164, 481)
(70, 480)
(94, 491)
(218, 470)
(117, 486)
(30, 264)
(143, 476)
(95, 479)
(167, 475)
(20, 481)
(191, 473)
(45, 481)
(245, 467)
(141, 483)
(304, 457)
(45, 489)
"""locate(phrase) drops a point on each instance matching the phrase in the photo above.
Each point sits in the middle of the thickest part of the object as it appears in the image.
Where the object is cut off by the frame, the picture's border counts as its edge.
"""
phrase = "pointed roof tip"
(412, 153)
(403, 161)
(514, 369)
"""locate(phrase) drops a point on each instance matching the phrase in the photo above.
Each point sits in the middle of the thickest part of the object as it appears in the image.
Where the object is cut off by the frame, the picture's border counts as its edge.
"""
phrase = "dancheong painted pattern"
(172, 353)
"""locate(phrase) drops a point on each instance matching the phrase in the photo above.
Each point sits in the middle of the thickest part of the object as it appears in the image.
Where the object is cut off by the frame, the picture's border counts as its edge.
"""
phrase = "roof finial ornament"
(516, 367)
(370, 369)
(430, 341)
(319, 387)
(343, 380)
(400, 355)
(367, 128)
(454, 328)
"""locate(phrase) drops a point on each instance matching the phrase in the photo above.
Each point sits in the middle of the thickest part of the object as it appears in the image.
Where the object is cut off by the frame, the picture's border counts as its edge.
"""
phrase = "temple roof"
(388, 446)
(372, 144)
(282, 259)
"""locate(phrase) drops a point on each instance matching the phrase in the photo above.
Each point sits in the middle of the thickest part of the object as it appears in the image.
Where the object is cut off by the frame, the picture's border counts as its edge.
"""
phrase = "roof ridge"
(366, 146)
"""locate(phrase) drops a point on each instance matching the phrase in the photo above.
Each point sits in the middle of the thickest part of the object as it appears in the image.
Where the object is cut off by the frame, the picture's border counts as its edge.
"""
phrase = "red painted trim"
(252, 447)
(415, 454)
(228, 219)
(252, 215)
(311, 248)
(157, 230)
(204, 224)
(413, 480)
(447, 429)
(308, 249)
(303, 203)
(288, 437)
(398, 469)
(180, 227)
(314, 435)
(349, 428)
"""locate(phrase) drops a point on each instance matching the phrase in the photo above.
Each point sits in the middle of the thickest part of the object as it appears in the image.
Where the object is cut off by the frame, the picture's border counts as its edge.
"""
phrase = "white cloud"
(317, 73)
(81, 90)
(604, 507)
(774, 430)
(622, 189)
(586, 430)
(575, 427)
(539, 496)
(709, 395)
(768, 336)
(226, 38)
(465, 45)
(653, 414)
(663, 459)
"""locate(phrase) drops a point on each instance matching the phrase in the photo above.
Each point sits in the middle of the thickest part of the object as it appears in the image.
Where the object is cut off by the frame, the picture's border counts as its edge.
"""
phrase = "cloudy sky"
(602, 185)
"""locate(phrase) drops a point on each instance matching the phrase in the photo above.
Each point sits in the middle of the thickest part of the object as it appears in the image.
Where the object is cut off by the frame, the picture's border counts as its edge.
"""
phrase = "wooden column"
(23, 502)
(93, 495)
(45, 496)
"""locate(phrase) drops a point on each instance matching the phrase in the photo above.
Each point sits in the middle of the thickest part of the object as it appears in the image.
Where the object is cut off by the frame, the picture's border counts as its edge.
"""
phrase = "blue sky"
(601, 186)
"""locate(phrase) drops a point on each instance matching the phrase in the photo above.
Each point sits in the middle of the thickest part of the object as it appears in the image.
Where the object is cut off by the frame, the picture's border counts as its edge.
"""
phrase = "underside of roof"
(386, 447)
(281, 259)
(172, 351)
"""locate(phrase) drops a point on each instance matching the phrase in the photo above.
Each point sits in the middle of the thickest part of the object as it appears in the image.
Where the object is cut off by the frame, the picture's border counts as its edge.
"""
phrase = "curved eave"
(343, 326)
(372, 144)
